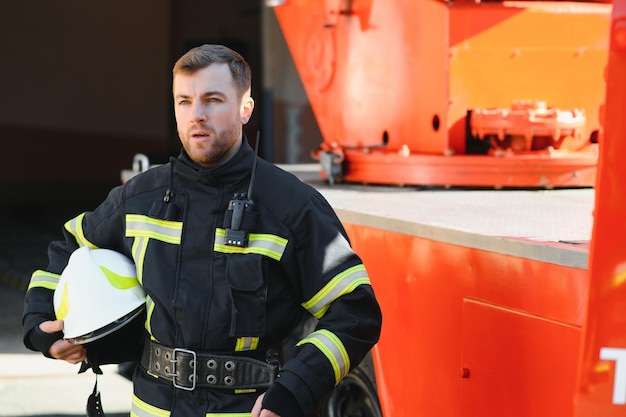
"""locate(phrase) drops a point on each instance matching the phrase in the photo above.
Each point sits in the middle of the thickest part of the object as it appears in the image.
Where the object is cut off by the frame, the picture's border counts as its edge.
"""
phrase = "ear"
(247, 105)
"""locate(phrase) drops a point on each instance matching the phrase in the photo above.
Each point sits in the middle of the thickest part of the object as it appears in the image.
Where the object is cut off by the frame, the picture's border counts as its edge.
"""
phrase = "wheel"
(355, 396)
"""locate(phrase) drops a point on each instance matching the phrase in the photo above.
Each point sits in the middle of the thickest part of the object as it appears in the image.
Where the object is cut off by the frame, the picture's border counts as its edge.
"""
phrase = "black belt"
(188, 369)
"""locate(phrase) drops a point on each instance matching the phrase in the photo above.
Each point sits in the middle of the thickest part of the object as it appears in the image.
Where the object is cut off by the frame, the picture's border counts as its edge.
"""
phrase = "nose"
(198, 113)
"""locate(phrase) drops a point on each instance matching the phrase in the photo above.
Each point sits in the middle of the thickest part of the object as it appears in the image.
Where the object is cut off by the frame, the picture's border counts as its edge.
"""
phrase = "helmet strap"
(94, 403)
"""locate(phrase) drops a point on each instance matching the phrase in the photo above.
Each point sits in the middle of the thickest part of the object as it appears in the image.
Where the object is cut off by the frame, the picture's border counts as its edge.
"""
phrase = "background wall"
(84, 86)
(84, 66)
(87, 85)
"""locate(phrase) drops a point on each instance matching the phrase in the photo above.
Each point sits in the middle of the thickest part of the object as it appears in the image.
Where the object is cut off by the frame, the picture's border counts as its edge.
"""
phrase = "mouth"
(200, 134)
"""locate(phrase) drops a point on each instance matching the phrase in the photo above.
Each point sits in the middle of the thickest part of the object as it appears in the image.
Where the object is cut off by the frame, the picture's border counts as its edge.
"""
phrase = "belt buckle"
(193, 376)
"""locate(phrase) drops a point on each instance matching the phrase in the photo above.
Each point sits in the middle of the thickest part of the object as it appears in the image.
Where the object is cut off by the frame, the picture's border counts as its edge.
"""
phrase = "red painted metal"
(602, 378)
(514, 323)
(544, 171)
(391, 83)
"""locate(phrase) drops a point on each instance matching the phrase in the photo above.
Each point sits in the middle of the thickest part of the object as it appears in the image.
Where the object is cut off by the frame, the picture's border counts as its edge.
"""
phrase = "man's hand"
(259, 411)
(62, 349)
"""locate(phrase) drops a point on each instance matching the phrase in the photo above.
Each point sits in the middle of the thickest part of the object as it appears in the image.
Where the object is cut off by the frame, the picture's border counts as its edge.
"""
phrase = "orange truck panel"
(538, 51)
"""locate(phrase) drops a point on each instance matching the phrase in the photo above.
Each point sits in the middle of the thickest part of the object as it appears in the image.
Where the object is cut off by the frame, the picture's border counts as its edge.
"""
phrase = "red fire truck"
(499, 270)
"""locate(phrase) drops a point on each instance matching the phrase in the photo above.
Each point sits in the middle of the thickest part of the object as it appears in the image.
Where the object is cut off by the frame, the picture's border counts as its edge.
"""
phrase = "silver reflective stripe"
(43, 279)
(265, 244)
(330, 345)
(167, 231)
(341, 284)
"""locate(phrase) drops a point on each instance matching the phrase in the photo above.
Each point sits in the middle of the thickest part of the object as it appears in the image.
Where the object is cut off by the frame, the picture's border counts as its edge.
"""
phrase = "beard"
(216, 149)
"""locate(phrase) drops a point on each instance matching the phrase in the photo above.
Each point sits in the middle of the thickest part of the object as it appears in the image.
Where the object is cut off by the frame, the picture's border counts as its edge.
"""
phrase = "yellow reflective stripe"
(330, 345)
(140, 245)
(143, 409)
(149, 311)
(168, 231)
(268, 245)
(75, 227)
(118, 281)
(44, 279)
(246, 343)
(64, 305)
(341, 284)
(244, 391)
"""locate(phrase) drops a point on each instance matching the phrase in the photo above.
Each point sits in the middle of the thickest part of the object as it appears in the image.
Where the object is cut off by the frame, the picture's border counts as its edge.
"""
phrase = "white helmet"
(98, 293)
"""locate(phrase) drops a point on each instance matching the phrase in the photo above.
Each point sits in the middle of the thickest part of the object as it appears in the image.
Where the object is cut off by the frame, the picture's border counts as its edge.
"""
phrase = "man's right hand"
(62, 349)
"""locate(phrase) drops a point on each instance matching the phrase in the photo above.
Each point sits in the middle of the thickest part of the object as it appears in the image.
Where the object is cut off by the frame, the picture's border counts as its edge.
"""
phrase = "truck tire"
(355, 395)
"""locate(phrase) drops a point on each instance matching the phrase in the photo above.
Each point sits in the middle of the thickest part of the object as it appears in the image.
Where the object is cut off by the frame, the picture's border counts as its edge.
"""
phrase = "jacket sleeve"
(334, 288)
(38, 302)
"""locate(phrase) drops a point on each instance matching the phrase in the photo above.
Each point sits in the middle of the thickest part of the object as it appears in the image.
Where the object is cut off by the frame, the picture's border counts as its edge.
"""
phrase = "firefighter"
(234, 255)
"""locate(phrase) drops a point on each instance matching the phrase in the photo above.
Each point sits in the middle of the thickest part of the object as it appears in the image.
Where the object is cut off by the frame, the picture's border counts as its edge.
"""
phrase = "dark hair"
(202, 56)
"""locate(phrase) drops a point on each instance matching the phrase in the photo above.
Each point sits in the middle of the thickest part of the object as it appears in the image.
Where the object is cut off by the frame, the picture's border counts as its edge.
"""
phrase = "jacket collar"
(238, 167)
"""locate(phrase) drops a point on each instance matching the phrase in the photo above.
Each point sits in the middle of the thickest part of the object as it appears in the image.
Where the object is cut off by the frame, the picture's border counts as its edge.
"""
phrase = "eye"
(213, 100)
(183, 102)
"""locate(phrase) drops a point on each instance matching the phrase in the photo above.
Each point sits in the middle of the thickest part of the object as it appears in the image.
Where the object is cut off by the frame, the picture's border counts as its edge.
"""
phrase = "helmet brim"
(108, 329)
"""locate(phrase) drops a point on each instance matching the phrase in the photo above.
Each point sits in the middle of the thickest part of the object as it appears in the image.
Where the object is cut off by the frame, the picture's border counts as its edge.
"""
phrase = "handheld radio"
(240, 211)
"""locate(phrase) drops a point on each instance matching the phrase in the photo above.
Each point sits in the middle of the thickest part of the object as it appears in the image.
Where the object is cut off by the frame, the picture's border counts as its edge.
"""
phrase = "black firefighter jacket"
(206, 296)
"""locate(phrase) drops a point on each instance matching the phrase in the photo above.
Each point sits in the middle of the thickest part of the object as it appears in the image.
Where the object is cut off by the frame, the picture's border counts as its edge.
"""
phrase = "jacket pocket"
(245, 275)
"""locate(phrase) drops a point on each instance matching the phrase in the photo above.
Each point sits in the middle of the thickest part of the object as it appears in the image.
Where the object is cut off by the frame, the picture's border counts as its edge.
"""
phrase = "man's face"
(210, 114)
